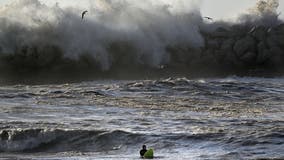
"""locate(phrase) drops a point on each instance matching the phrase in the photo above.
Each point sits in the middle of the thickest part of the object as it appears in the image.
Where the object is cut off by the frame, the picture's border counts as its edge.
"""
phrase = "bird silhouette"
(209, 18)
(83, 14)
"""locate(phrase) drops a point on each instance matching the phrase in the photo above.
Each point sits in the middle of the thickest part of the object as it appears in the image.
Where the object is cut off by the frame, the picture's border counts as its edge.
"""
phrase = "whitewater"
(133, 39)
(131, 73)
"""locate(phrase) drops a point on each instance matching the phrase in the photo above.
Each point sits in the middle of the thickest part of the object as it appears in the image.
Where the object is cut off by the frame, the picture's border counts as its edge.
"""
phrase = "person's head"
(144, 146)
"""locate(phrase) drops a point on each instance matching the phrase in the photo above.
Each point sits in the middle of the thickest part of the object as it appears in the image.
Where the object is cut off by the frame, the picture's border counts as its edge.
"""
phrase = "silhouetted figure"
(83, 14)
(143, 150)
(4, 135)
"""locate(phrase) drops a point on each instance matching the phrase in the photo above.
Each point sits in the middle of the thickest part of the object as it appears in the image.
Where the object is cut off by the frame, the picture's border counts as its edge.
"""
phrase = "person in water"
(143, 150)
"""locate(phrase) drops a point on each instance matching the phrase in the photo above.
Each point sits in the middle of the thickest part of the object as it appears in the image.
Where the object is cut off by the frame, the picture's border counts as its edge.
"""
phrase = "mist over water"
(158, 37)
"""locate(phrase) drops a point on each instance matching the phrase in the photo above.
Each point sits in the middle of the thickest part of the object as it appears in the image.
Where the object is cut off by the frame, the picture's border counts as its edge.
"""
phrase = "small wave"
(92, 92)
(170, 82)
(17, 95)
(58, 140)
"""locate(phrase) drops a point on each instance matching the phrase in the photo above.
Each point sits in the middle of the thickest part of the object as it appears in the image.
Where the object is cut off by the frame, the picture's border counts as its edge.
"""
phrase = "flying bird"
(209, 18)
(83, 14)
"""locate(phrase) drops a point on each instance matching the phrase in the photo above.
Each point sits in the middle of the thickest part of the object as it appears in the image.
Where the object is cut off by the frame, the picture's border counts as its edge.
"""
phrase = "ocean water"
(54, 104)
(227, 118)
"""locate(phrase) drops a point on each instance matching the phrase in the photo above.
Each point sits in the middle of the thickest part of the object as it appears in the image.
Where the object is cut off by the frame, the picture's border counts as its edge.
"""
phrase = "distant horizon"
(217, 9)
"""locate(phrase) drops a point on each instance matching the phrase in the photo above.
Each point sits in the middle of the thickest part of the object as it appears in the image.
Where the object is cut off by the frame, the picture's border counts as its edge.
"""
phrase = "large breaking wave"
(122, 37)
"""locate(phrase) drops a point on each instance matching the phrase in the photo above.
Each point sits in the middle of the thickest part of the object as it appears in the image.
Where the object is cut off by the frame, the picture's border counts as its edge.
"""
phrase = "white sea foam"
(147, 33)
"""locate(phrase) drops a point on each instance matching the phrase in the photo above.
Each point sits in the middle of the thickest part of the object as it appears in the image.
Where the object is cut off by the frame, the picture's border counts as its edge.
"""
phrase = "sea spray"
(153, 35)
(263, 14)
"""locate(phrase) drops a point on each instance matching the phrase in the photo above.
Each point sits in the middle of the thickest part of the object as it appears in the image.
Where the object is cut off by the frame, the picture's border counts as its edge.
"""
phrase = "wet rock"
(263, 52)
(277, 56)
(239, 31)
(212, 44)
(248, 57)
(245, 48)
(219, 55)
(226, 51)
(231, 57)
(278, 29)
(227, 45)
(276, 40)
(221, 33)
(207, 52)
(276, 51)
(260, 33)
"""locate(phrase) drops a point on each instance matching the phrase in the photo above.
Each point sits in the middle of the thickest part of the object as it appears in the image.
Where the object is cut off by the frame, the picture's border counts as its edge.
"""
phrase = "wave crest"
(58, 140)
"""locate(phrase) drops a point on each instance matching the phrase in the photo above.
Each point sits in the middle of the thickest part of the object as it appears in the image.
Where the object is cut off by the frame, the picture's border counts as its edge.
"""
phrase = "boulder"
(263, 52)
(277, 56)
(227, 45)
(276, 51)
(276, 40)
(244, 47)
(260, 33)
(248, 57)
(212, 44)
(278, 29)
(221, 33)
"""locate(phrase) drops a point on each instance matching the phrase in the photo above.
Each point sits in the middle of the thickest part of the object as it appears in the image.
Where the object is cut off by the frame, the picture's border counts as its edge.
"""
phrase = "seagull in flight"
(209, 18)
(83, 14)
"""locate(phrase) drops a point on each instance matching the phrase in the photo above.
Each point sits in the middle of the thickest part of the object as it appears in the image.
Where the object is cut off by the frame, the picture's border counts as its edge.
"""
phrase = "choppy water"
(232, 118)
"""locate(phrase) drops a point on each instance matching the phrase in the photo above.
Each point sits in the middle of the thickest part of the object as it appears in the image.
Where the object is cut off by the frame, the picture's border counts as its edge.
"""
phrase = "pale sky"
(218, 9)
